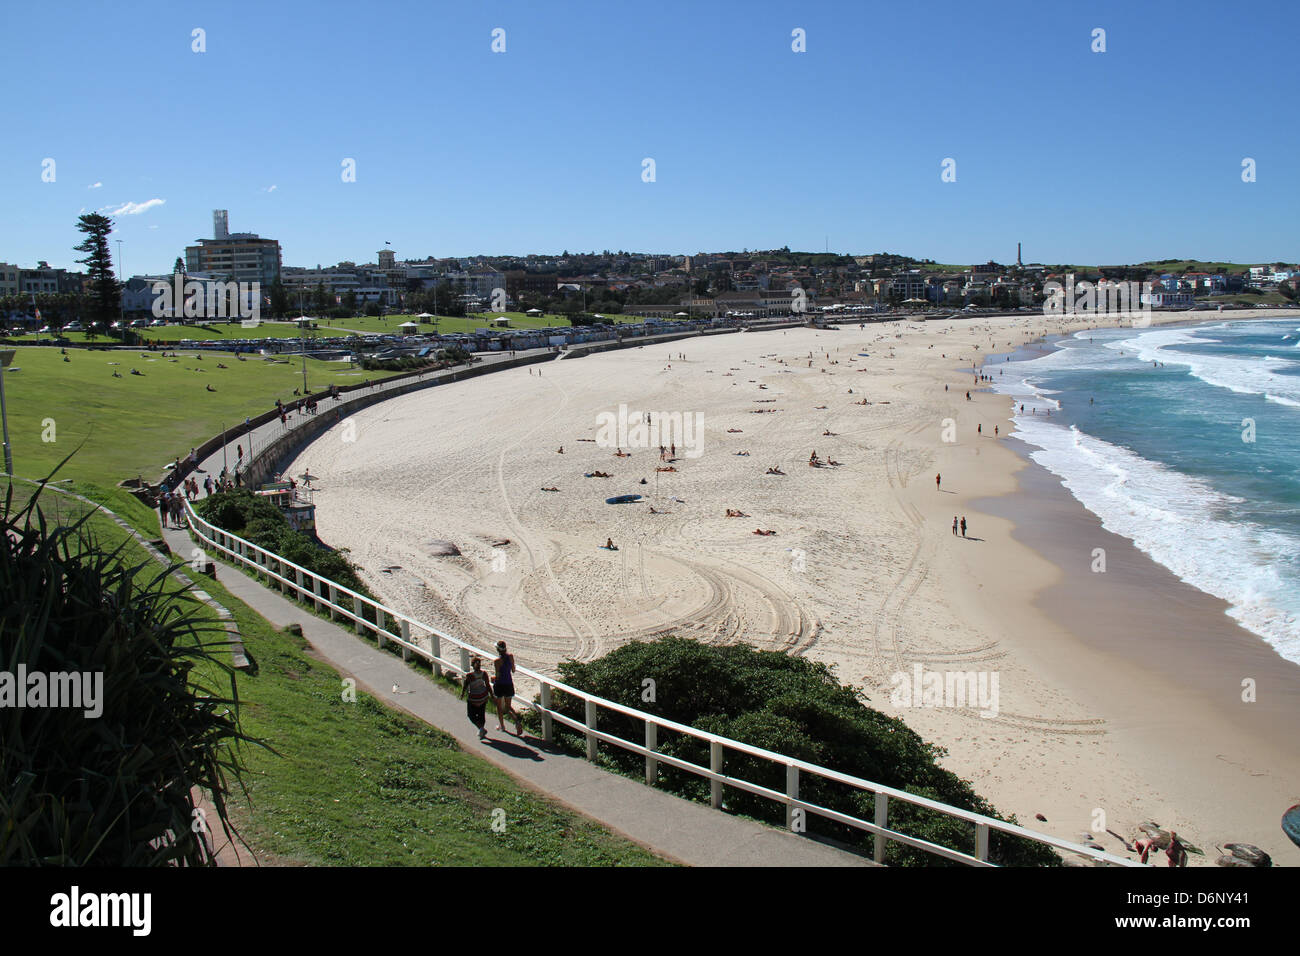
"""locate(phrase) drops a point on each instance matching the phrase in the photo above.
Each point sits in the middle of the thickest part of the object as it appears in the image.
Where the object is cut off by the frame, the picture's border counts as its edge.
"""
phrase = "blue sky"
(1087, 157)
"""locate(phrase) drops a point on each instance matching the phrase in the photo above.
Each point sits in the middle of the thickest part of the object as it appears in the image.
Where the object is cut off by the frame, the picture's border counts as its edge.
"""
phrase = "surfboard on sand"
(622, 499)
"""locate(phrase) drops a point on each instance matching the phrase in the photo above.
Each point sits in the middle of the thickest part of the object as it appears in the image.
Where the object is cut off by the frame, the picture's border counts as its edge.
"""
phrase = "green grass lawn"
(137, 424)
(358, 783)
(1247, 299)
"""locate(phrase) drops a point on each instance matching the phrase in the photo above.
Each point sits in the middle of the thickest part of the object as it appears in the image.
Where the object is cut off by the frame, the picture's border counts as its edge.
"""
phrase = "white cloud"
(269, 189)
(94, 185)
(135, 208)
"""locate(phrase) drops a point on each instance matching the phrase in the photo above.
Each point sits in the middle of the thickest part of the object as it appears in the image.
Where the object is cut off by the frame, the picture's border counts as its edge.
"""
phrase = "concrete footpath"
(686, 832)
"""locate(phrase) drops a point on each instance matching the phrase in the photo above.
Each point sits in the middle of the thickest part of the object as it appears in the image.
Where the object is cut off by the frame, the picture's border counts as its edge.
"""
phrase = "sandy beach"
(1117, 692)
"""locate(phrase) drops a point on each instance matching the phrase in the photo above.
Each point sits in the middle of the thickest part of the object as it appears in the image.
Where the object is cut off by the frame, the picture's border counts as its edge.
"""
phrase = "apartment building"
(241, 256)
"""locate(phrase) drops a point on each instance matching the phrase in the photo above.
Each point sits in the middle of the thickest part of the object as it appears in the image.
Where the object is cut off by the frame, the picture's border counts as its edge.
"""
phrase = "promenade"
(680, 830)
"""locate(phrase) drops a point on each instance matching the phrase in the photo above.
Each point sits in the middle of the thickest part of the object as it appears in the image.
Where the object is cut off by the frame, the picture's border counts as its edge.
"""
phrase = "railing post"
(882, 820)
(381, 621)
(715, 764)
(651, 743)
(791, 791)
(435, 643)
(548, 725)
(982, 841)
(333, 599)
(356, 609)
(298, 591)
(406, 636)
(592, 742)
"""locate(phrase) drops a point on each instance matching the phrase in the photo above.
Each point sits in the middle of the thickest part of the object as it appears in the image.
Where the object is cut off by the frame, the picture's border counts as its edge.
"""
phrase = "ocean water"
(1158, 452)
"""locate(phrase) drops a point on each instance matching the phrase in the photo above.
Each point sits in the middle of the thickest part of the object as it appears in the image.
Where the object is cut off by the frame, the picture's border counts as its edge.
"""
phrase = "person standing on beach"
(954, 525)
(937, 480)
(476, 691)
(963, 526)
(503, 688)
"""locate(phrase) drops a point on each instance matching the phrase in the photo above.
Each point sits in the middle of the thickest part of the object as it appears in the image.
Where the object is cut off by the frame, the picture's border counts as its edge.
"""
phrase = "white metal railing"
(390, 626)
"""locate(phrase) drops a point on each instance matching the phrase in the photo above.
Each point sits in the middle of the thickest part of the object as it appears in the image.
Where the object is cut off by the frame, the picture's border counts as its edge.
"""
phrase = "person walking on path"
(475, 690)
(164, 508)
(963, 526)
(503, 688)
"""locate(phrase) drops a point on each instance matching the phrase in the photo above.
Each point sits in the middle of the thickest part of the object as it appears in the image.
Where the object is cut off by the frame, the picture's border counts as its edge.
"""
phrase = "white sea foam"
(1181, 522)
(1243, 375)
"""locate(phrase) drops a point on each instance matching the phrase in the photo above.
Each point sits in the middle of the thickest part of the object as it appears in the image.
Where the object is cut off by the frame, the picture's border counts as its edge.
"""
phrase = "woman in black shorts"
(503, 688)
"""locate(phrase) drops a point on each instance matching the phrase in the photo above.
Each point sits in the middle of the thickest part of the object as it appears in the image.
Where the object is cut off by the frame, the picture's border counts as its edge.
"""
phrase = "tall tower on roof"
(220, 224)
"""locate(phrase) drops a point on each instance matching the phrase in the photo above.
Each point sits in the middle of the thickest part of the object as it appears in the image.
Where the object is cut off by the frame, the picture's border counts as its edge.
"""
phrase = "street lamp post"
(6, 357)
(121, 301)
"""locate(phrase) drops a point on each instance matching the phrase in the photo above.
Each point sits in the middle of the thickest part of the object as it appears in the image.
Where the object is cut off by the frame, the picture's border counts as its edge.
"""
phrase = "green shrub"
(793, 706)
(257, 520)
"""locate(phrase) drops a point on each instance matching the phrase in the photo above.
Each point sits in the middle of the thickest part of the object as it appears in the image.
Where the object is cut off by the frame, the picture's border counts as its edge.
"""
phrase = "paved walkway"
(688, 832)
(252, 441)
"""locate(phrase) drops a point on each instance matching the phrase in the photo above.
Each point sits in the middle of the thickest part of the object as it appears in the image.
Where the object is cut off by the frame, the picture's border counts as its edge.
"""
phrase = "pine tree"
(105, 296)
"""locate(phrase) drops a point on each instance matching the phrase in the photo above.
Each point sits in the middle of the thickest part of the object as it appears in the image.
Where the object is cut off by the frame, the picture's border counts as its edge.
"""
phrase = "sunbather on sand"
(775, 471)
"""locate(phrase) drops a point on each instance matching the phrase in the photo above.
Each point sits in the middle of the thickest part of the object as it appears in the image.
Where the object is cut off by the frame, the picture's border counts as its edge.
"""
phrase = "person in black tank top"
(476, 690)
(503, 689)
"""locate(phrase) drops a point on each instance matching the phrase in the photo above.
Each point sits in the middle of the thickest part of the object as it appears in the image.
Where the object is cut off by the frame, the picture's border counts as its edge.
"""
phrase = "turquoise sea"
(1186, 441)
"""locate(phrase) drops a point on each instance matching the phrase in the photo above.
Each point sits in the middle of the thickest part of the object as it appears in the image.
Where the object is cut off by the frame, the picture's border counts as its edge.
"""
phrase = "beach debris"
(1040, 818)
(390, 569)
(1244, 854)
(1291, 824)
(439, 548)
